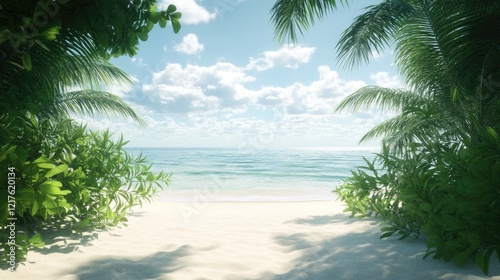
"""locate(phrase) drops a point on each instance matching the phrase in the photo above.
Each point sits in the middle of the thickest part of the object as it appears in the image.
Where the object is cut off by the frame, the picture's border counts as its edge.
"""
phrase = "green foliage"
(447, 192)
(49, 47)
(438, 173)
(115, 27)
(69, 177)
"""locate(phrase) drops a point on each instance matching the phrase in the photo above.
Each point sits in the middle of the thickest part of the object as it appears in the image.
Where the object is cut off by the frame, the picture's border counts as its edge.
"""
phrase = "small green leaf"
(386, 234)
(27, 61)
(49, 203)
(492, 132)
(41, 44)
(37, 240)
(171, 8)
(143, 36)
(35, 207)
(52, 187)
(51, 33)
(176, 26)
(153, 17)
(162, 21)
(58, 169)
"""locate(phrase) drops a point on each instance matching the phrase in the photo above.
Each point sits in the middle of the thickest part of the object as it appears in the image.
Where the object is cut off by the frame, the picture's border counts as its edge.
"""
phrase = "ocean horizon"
(253, 174)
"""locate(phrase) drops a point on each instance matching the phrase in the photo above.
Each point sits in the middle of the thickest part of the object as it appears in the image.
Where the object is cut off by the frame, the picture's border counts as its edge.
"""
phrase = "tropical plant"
(427, 178)
(64, 175)
(67, 177)
(49, 47)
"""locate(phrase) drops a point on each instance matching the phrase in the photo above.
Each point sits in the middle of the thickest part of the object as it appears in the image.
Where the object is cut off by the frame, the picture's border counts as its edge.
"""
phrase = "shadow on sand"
(149, 267)
(365, 256)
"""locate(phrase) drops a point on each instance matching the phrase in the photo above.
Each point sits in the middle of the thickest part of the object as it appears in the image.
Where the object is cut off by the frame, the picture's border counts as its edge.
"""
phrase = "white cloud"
(287, 56)
(189, 45)
(225, 87)
(384, 79)
(244, 132)
(192, 11)
(197, 88)
(319, 97)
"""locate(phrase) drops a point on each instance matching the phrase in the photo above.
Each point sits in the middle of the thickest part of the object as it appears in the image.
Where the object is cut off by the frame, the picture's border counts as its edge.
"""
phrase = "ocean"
(237, 174)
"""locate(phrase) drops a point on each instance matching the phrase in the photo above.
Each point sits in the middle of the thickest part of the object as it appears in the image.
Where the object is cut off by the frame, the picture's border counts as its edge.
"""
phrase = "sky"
(224, 81)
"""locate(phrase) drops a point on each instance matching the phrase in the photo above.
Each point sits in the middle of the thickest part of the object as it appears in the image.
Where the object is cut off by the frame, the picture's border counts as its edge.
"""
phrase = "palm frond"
(372, 31)
(93, 103)
(293, 17)
(383, 98)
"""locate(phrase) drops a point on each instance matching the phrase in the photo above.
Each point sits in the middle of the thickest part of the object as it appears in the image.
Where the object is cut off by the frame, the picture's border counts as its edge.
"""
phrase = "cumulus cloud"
(384, 79)
(197, 88)
(189, 45)
(288, 56)
(192, 11)
(225, 86)
(318, 97)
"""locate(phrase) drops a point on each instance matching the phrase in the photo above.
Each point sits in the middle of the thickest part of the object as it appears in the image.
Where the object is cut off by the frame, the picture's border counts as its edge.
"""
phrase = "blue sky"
(224, 81)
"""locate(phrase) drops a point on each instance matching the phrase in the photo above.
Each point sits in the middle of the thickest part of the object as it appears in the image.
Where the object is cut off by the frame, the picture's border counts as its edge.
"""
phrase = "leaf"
(37, 240)
(35, 207)
(27, 61)
(45, 165)
(492, 132)
(41, 44)
(162, 21)
(52, 187)
(171, 8)
(51, 33)
(176, 26)
(58, 169)
(142, 36)
(361, 207)
(49, 203)
(177, 15)
(387, 234)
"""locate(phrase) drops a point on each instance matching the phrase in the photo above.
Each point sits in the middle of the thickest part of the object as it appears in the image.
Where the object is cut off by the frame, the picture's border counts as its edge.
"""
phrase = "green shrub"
(447, 192)
(67, 177)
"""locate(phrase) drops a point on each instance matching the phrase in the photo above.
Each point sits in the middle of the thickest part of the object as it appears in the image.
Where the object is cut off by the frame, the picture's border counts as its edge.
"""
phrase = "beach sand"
(240, 240)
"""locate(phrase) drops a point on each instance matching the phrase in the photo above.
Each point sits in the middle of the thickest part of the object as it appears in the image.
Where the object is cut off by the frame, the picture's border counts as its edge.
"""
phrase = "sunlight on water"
(256, 174)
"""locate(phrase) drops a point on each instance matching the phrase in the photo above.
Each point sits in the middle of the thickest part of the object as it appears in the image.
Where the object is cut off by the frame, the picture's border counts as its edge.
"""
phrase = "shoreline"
(236, 240)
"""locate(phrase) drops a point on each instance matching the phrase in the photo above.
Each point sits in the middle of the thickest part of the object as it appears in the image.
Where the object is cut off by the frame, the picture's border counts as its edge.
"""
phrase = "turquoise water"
(232, 174)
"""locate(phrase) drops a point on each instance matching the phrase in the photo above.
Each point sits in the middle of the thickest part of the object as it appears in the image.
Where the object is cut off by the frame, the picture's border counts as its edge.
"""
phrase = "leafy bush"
(447, 192)
(68, 177)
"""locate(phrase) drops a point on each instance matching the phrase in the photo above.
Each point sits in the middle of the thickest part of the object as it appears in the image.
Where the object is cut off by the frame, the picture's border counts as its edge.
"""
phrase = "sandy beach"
(239, 240)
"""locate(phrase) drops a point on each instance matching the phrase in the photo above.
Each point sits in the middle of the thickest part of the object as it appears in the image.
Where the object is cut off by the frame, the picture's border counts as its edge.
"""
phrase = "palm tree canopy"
(39, 61)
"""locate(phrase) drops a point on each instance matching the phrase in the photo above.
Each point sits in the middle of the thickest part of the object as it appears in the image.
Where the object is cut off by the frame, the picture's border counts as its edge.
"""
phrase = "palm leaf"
(293, 17)
(93, 103)
(380, 97)
(372, 31)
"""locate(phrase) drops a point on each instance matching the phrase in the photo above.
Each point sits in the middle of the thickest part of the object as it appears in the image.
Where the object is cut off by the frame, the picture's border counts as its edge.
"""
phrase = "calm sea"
(232, 174)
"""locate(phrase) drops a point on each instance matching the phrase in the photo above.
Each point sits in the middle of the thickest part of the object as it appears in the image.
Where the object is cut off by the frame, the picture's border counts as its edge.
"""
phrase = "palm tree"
(445, 50)
(54, 68)
(438, 169)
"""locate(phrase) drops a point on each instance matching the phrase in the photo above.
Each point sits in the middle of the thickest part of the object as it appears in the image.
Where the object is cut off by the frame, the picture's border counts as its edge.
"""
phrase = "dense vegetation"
(438, 172)
(55, 173)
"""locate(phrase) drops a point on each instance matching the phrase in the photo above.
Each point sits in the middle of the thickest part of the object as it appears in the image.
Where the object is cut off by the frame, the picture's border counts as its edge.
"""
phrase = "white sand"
(240, 240)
